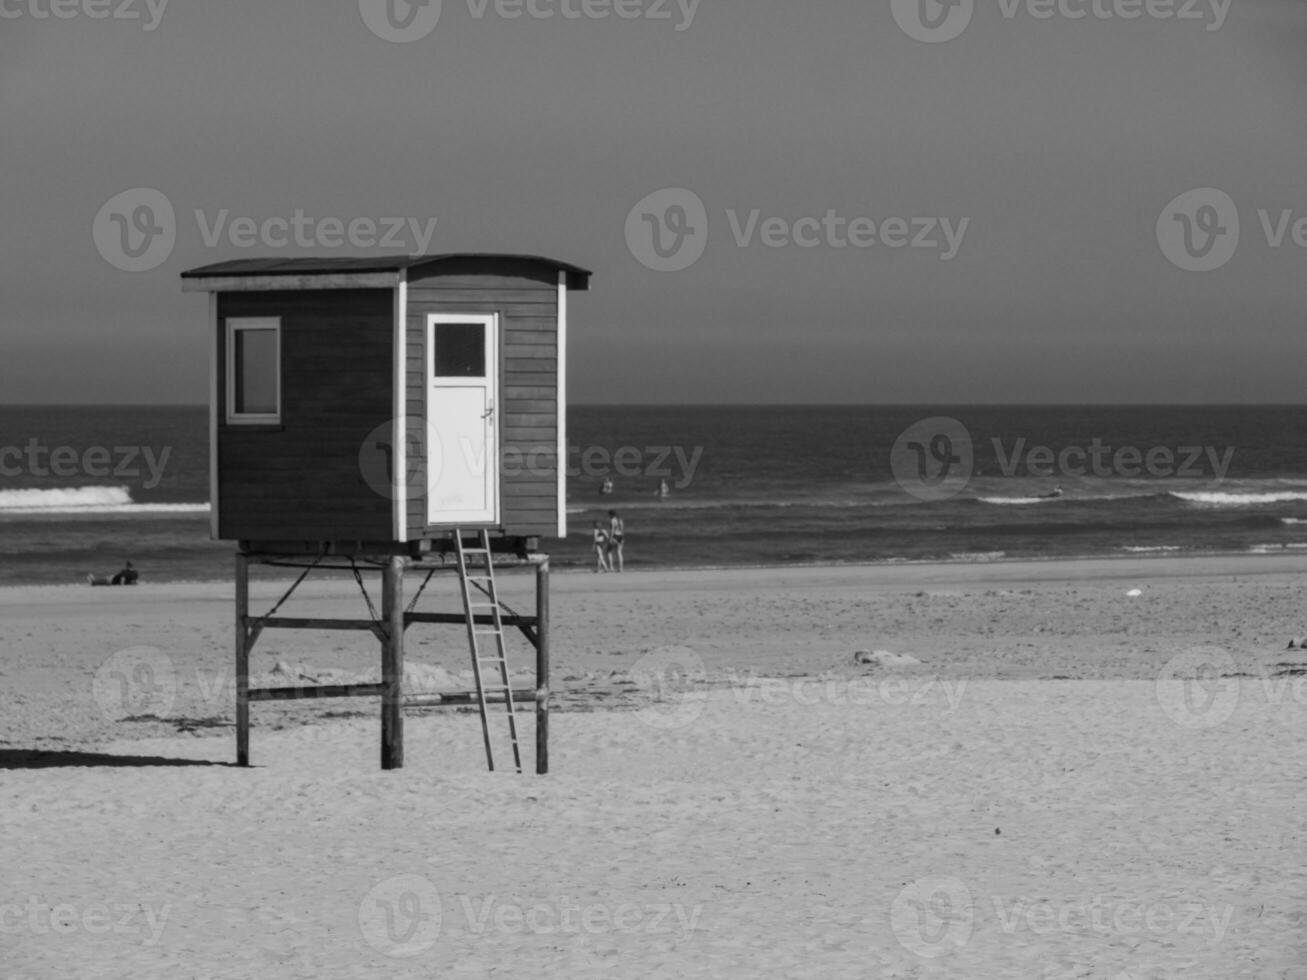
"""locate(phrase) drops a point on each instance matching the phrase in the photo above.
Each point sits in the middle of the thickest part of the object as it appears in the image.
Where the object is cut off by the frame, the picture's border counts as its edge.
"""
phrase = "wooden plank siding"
(301, 480)
(526, 300)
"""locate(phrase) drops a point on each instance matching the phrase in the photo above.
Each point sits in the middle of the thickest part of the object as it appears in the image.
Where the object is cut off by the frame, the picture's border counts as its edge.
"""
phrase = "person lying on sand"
(126, 576)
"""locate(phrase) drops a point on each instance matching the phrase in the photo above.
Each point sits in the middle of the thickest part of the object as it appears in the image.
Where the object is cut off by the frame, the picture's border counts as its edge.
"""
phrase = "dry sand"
(1071, 782)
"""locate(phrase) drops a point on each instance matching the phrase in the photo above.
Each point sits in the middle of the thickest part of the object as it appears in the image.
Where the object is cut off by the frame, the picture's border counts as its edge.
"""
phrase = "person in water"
(616, 533)
(600, 541)
(126, 576)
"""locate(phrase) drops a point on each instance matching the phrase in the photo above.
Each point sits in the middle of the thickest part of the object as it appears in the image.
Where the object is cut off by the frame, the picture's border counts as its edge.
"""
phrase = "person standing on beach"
(600, 541)
(616, 534)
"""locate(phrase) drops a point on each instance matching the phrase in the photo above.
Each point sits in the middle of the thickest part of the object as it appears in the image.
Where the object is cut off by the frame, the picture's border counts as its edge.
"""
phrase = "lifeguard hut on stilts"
(393, 415)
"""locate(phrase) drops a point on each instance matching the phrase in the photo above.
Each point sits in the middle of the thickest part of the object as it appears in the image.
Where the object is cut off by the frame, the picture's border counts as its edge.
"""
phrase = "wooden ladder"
(487, 598)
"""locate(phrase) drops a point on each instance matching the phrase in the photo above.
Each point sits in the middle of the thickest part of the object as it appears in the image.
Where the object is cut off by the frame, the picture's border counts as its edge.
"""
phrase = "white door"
(462, 452)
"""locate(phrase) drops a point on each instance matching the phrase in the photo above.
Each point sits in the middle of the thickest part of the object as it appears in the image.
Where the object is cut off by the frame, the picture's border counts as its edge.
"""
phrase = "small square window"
(254, 370)
(460, 350)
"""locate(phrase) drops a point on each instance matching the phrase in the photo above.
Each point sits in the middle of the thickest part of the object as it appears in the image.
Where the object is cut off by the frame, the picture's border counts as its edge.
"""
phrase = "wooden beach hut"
(391, 412)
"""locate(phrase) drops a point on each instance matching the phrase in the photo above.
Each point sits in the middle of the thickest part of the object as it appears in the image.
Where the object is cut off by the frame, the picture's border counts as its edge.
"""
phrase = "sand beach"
(1048, 777)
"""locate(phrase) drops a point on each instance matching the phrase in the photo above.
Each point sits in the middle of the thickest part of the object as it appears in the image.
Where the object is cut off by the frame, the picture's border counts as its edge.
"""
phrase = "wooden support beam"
(446, 698)
(424, 549)
(433, 699)
(481, 619)
(243, 641)
(542, 667)
(290, 623)
(312, 692)
(392, 664)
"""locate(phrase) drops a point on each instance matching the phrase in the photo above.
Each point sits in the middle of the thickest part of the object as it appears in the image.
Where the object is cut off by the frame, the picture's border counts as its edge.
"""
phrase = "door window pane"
(460, 350)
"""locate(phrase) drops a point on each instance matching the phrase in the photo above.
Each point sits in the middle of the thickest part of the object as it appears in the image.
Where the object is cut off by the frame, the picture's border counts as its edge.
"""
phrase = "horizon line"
(741, 404)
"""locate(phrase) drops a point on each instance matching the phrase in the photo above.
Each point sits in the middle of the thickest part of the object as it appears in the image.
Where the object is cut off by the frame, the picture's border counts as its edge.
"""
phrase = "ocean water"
(83, 489)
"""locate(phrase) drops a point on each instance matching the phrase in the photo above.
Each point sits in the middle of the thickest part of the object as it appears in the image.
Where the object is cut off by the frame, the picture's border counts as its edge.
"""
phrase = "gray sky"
(1059, 140)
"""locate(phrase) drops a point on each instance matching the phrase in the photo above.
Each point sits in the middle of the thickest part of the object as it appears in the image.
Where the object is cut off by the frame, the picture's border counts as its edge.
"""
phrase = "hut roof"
(415, 266)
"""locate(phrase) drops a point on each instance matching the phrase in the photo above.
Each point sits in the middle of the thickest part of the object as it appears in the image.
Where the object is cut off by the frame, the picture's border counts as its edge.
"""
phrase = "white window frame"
(235, 324)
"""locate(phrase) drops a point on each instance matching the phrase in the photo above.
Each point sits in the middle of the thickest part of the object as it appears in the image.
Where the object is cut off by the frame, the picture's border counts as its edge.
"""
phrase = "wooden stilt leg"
(392, 664)
(242, 660)
(542, 667)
